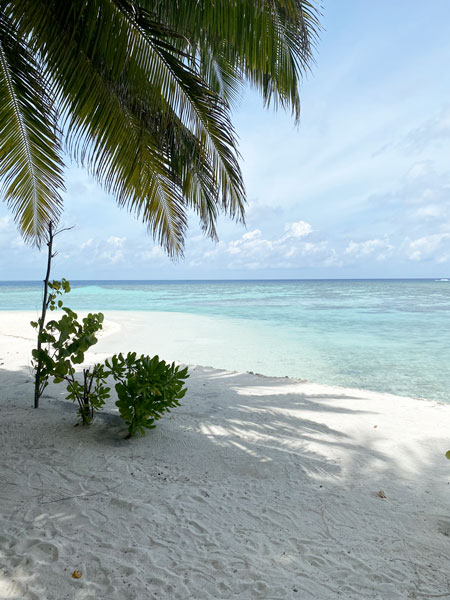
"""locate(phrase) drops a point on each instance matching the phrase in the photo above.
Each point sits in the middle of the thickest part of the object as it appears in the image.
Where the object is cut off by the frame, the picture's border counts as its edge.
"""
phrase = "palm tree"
(140, 92)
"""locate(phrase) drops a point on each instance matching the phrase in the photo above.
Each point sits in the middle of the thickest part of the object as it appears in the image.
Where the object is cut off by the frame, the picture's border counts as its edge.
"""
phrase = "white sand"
(255, 488)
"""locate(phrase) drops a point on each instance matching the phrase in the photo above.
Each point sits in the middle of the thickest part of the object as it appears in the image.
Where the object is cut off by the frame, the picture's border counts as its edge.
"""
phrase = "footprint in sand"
(43, 553)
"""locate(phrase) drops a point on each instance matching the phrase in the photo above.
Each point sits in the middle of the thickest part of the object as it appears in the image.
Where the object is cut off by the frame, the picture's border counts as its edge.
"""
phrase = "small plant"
(146, 388)
(50, 303)
(62, 344)
(40, 382)
(91, 395)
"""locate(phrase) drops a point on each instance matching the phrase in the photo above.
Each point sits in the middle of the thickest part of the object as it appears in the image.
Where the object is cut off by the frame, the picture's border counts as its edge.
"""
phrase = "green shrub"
(63, 344)
(146, 388)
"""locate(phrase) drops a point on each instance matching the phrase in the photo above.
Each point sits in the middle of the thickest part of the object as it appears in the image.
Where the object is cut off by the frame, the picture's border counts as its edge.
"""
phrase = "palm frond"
(270, 43)
(107, 92)
(143, 89)
(30, 165)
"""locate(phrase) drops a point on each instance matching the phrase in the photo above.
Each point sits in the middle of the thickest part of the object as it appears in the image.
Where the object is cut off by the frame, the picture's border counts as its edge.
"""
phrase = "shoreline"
(182, 337)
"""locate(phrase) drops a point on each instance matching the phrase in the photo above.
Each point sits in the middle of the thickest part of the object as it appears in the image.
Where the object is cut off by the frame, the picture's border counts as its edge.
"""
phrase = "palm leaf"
(30, 166)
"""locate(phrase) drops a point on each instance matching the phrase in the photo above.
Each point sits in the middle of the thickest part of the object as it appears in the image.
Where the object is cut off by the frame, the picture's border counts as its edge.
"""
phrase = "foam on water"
(385, 335)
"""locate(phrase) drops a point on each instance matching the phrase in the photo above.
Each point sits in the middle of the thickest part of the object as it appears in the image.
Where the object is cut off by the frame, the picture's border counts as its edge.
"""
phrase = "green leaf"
(78, 358)
(447, 454)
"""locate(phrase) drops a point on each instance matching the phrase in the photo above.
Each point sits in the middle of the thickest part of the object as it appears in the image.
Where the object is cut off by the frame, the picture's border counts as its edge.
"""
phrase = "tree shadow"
(253, 486)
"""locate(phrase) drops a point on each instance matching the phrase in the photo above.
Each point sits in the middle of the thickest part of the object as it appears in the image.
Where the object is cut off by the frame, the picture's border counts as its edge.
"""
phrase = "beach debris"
(381, 494)
(77, 574)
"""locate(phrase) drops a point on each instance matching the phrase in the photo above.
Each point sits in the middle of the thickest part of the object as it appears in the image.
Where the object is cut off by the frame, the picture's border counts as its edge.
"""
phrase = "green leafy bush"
(63, 344)
(146, 388)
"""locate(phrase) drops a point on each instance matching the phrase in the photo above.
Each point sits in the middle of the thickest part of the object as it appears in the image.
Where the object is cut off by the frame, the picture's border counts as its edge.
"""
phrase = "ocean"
(383, 335)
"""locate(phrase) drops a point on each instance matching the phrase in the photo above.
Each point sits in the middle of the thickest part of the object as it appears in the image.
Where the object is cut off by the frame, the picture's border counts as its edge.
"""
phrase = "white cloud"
(377, 248)
(431, 211)
(87, 244)
(429, 247)
(150, 255)
(297, 229)
(250, 244)
(116, 242)
(113, 256)
(311, 248)
(248, 247)
(252, 235)
(254, 251)
(332, 260)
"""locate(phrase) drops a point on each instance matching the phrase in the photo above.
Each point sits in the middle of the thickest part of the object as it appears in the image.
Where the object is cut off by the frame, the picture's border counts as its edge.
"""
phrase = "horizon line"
(245, 280)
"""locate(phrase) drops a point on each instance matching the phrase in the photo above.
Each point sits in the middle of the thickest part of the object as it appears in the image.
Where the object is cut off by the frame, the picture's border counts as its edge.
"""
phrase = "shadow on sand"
(251, 481)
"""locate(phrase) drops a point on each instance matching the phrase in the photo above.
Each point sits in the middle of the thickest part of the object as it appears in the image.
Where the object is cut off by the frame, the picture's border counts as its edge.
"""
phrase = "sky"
(361, 189)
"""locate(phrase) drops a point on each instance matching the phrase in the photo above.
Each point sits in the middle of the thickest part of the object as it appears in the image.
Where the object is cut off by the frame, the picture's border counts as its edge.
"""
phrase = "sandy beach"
(256, 487)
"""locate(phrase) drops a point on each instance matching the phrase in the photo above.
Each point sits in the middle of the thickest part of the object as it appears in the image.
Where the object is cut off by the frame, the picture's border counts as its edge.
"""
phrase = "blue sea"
(383, 335)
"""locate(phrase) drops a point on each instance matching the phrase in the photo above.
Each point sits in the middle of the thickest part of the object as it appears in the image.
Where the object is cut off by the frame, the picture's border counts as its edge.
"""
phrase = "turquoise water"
(384, 335)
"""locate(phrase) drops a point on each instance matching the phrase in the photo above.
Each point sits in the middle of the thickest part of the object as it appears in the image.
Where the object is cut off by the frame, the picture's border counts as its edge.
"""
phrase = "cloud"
(297, 230)
(253, 250)
(112, 256)
(377, 248)
(251, 245)
(116, 250)
(116, 242)
(431, 211)
(252, 235)
(430, 247)
(155, 253)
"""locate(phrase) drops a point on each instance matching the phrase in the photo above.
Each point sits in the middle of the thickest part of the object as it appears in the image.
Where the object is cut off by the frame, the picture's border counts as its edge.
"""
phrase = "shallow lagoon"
(384, 335)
